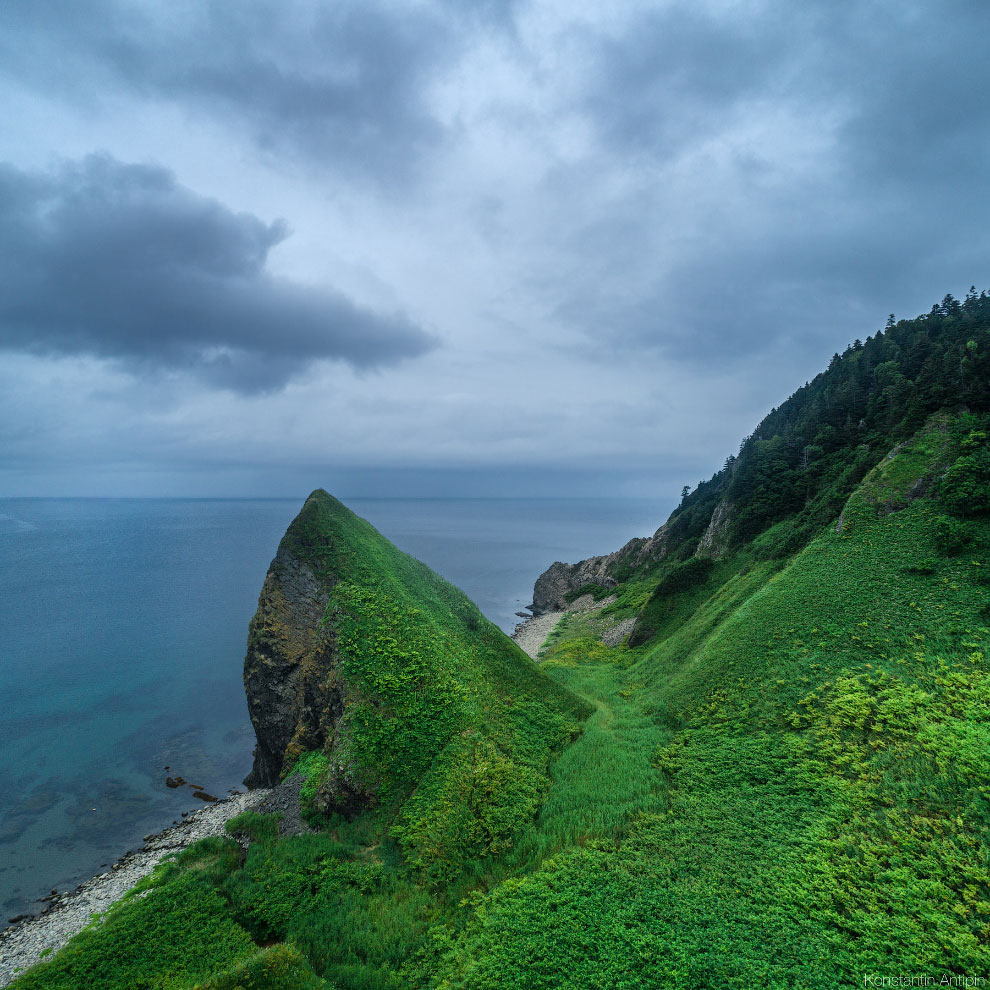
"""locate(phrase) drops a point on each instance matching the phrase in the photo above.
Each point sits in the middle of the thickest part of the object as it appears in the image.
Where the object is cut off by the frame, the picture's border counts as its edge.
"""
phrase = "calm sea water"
(123, 624)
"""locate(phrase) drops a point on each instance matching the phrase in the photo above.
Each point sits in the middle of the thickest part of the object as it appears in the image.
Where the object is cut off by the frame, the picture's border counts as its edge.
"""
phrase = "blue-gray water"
(122, 631)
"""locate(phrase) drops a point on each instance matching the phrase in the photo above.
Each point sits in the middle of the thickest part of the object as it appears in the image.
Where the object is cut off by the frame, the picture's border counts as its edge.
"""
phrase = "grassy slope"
(453, 728)
(809, 752)
(420, 662)
(786, 786)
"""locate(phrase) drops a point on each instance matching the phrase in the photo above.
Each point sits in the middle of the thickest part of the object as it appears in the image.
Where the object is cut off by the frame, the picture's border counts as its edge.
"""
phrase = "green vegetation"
(313, 767)
(171, 932)
(677, 582)
(807, 457)
(781, 779)
(812, 804)
(595, 590)
(421, 665)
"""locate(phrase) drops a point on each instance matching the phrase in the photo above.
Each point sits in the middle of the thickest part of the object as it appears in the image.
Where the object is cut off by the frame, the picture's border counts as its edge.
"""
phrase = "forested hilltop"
(793, 474)
(803, 460)
(761, 759)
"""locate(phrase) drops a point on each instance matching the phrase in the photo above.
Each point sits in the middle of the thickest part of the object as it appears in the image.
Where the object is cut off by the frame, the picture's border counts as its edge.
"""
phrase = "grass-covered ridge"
(780, 778)
(449, 725)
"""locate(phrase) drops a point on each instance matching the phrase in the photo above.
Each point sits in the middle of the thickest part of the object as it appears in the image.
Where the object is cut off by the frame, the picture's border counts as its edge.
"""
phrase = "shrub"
(258, 828)
(281, 967)
(682, 577)
(966, 485)
(950, 535)
(313, 767)
(781, 540)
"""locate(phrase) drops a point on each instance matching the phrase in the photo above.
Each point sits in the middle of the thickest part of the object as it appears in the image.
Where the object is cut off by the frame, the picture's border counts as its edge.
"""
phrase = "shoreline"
(22, 944)
(532, 633)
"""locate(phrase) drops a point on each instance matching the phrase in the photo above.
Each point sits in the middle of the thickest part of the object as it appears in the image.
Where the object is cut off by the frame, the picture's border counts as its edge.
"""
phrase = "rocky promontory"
(560, 580)
(296, 698)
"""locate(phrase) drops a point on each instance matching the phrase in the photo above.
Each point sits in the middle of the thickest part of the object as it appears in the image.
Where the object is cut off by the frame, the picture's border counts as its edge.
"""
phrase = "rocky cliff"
(714, 541)
(295, 692)
(362, 654)
(285, 649)
(559, 579)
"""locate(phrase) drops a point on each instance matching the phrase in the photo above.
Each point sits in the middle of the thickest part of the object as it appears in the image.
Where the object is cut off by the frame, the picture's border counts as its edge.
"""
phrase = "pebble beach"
(22, 944)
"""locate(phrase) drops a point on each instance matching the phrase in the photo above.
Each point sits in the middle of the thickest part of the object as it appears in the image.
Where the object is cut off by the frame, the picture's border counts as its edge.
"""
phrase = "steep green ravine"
(824, 751)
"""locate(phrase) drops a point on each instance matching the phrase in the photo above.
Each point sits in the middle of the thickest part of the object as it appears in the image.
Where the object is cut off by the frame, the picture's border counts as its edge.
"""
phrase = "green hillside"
(780, 778)
(427, 684)
(810, 757)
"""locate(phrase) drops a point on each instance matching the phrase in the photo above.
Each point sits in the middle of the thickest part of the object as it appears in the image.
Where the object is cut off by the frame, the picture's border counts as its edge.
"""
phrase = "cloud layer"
(120, 261)
(634, 226)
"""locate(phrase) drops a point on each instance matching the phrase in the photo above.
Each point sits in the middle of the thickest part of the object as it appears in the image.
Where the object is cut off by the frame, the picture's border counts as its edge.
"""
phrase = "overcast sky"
(251, 247)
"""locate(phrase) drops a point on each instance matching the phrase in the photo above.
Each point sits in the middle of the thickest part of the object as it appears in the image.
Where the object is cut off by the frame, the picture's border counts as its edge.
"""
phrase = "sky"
(441, 248)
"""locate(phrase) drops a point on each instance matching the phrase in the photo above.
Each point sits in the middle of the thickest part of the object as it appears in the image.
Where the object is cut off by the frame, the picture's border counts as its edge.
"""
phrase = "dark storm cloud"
(120, 261)
(344, 83)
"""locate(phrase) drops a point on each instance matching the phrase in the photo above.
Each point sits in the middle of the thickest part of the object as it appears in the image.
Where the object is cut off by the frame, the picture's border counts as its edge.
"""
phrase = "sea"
(123, 625)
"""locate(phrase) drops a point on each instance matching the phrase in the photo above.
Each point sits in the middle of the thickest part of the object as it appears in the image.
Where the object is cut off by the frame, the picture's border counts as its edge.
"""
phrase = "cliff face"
(285, 648)
(714, 541)
(552, 586)
(296, 694)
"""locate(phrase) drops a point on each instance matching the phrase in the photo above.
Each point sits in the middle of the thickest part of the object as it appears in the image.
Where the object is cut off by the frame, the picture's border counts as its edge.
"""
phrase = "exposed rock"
(715, 539)
(284, 800)
(920, 489)
(614, 635)
(286, 668)
(296, 698)
(552, 586)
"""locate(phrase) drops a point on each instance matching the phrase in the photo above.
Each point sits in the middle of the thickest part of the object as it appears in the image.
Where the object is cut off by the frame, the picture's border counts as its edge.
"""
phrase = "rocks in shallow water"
(198, 790)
